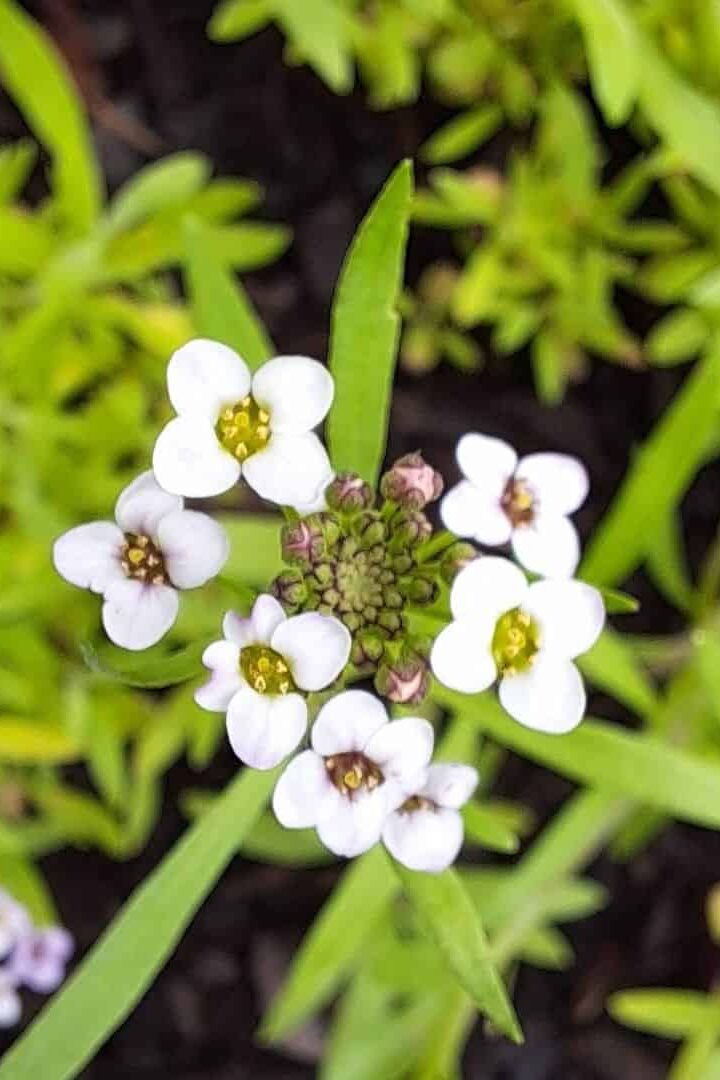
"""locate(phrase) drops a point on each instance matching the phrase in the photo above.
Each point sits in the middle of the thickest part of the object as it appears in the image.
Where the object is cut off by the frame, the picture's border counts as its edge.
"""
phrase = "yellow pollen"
(266, 671)
(243, 429)
(142, 560)
(515, 642)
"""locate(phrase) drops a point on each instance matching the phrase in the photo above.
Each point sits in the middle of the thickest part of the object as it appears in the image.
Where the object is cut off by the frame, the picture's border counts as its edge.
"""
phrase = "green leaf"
(462, 135)
(333, 945)
(270, 842)
(25, 742)
(321, 32)
(27, 886)
(120, 967)
(617, 602)
(612, 666)
(365, 331)
(234, 20)
(677, 337)
(489, 829)
(154, 668)
(666, 562)
(16, 163)
(661, 472)
(673, 1014)
(455, 926)
(220, 308)
(613, 56)
(26, 242)
(34, 74)
(255, 556)
(160, 186)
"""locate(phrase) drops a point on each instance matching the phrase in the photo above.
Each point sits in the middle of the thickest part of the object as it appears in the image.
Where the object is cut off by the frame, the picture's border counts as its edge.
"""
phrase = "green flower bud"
(409, 528)
(290, 589)
(405, 681)
(455, 559)
(323, 574)
(390, 621)
(368, 648)
(349, 493)
(422, 590)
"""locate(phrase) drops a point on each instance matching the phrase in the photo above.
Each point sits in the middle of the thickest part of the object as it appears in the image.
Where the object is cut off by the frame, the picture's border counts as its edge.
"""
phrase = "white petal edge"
(296, 391)
(486, 588)
(264, 729)
(550, 697)
(238, 629)
(300, 791)
(347, 722)
(571, 615)
(468, 511)
(203, 376)
(142, 505)
(194, 546)
(267, 615)
(449, 784)
(461, 658)
(89, 555)
(560, 482)
(349, 827)
(189, 460)
(289, 471)
(402, 749)
(317, 647)
(10, 1003)
(548, 546)
(427, 840)
(486, 461)
(222, 658)
(136, 616)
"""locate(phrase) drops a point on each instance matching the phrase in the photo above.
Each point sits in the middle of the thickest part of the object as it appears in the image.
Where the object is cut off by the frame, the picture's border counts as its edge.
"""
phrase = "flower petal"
(428, 840)
(203, 376)
(402, 749)
(468, 511)
(549, 697)
(317, 646)
(486, 588)
(548, 546)
(136, 616)
(571, 615)
(264, 729)
(238, 629)
(487, 461)
(350, 826)
(347, 722)
(450, 785)
(189, 460)
(223, 660)
(194, 546)
(296, 391)
(290, 470)
(142, 505)
(10, 1004)
(461, 658)
(559, 481)
(300, 791)
(89, 555)
(267, 615)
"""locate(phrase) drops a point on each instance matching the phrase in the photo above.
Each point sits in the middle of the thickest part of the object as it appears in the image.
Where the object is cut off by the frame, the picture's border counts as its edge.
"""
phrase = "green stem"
(435, 546)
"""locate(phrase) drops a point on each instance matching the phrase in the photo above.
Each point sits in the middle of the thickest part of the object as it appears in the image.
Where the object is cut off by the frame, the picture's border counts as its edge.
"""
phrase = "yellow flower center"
(352, 771)
(243, 429)
(515, 642)
(518, 502)
(142, 560)
(266, 671)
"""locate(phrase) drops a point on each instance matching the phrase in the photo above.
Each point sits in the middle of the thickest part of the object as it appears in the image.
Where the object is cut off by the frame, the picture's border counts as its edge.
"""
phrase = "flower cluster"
(365, 595)
(29, 956)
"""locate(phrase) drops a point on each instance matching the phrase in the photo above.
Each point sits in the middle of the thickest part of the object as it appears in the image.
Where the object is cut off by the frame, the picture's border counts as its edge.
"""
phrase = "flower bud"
(349, 493)
(371, 530)
(411, 482)
(368, 648)
(391, 621)
(409, 529)
(405, 681)
(290, 588)
(455, 559)
(423, 590)
(302, 541)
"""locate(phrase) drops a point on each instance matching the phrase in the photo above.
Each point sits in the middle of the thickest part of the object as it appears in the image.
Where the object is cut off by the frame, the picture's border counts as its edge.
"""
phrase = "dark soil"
(321, 159)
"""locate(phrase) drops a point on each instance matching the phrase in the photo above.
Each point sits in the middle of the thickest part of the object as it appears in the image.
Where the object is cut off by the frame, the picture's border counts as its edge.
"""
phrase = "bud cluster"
(365, 564)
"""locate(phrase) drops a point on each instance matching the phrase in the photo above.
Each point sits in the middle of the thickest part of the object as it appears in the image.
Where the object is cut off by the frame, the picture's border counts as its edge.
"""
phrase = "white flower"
(231, 422)
(39, 959)
(426, 832)
(525, 503)
(258, 670)
(360, 768)
(138, 564)
(524, 635)
(14, 923)
(10, 1004)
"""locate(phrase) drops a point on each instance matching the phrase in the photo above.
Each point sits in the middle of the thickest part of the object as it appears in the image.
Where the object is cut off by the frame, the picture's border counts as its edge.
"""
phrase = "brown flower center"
(243, 429)
(142, 560)
(352, 772)
(518, 502)
(417, 802)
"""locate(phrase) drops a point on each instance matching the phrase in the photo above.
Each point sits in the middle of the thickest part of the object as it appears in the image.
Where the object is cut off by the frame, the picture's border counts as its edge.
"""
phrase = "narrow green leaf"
(677, 337)
(16, 163)
(457, 930)
(462, 135)
(612, 666)
(613, 56)
(255, 556)
(25, 742)
(320, 30)
(154, 668)
(25, 883)
(666, 562)
(365, 331)
(120, 967)
(661, 472)
(34, 74)
(673, 1014)
(617, 602)
(489, 830)
(234, 20)
(160, 186)
(220, 308)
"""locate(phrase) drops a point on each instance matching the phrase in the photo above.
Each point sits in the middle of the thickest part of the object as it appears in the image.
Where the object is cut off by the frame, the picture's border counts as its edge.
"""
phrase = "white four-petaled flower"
(230, 422)
(138, 562)
(10, 1003)
(524, 635)
(14, 923)
(426, 832)
(523, 502)
(259, 670)
(361, 767)
(39, 959)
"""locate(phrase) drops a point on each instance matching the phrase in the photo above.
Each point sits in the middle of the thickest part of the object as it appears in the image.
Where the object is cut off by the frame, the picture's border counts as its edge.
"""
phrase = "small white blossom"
(523, 502)
(230, 422)
(426, 832)
(524, 635)
(258, 671)
(361, 767)
(14, 923)
(138, 562)
(10, 1003)
(39, 959)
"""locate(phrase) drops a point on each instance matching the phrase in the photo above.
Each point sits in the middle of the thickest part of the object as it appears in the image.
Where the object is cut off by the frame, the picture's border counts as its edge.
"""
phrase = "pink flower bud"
(411, 482)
